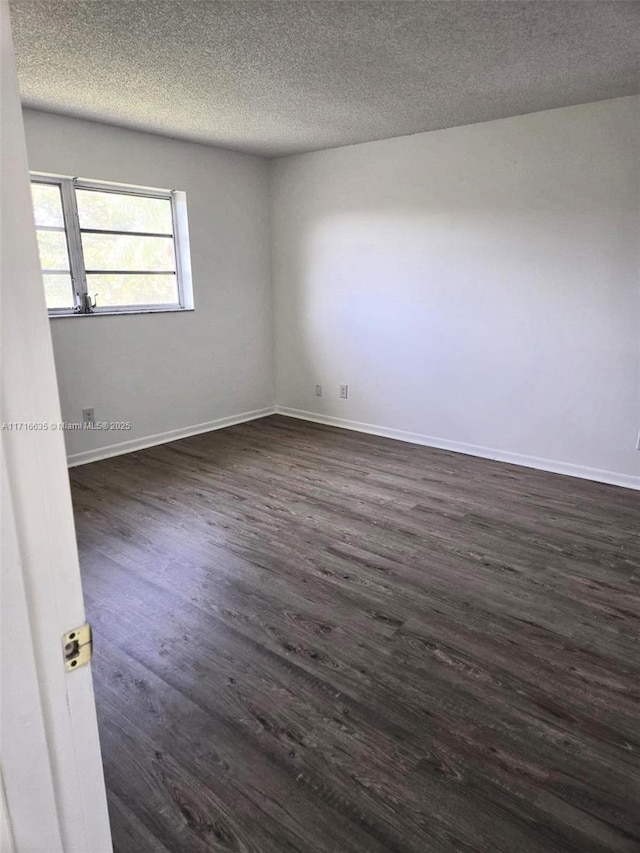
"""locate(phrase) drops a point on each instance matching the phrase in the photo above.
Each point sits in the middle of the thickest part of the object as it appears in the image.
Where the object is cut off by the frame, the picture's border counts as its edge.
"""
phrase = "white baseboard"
(596, 474)
(611, 477)
(163, 437)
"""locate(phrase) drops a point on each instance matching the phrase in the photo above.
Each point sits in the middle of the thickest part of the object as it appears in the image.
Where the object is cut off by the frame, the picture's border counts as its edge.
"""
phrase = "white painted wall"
(171, 371)
(477, 287)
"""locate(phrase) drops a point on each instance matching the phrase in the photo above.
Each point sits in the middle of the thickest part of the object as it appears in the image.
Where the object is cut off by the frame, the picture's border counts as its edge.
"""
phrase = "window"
(111, 249)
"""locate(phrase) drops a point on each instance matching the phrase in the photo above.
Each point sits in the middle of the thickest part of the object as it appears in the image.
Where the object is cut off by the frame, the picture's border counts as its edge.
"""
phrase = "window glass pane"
(122, 289)
(121, 252)
(47, 204)
(115, 212)
(58, 291)
(53, 250)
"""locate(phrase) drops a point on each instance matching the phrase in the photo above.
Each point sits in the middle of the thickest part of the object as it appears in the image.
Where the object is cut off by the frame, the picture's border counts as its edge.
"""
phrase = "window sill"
(67, 315)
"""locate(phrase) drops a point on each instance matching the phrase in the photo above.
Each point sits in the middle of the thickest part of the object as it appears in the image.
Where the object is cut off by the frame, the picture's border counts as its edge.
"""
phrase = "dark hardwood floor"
(320, 641)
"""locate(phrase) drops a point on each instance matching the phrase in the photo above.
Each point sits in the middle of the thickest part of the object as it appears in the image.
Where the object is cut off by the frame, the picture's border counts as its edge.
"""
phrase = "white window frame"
(83, 300)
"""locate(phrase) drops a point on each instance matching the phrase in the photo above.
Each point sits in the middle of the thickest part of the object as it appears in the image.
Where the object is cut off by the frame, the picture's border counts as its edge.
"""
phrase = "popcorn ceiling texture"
(276, 78)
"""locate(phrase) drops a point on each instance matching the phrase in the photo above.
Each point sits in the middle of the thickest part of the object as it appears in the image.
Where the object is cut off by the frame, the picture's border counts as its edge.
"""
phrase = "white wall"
(169, 371)
(477, 287)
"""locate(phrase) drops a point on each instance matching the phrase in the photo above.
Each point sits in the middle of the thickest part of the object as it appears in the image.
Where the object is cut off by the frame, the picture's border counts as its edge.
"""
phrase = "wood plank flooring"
(319, 641)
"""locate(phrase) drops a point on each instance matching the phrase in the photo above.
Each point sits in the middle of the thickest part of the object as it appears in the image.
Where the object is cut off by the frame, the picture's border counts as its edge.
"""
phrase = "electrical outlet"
(318, 390)
(89, 417)
(344, 391)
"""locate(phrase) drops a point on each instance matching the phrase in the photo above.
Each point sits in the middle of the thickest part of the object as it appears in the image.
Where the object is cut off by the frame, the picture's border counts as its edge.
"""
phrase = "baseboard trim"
(598, 475)
(122, 447)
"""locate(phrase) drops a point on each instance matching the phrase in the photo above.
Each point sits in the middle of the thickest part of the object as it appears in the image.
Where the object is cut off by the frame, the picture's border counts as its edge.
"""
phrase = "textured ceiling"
(280, 77)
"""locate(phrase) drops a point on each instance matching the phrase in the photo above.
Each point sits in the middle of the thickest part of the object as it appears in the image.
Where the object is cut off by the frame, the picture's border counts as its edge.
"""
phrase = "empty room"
(321, 426)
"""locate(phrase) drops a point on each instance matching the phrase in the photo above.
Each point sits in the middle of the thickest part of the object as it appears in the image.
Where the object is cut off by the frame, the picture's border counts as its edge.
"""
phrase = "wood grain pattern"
(319, 641)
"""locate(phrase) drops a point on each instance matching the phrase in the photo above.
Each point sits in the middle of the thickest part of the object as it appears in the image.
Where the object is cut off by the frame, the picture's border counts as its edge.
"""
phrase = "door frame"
(51, 764)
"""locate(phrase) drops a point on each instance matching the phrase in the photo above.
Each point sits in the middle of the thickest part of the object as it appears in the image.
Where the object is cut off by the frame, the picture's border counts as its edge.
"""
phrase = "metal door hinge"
(78, 646)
